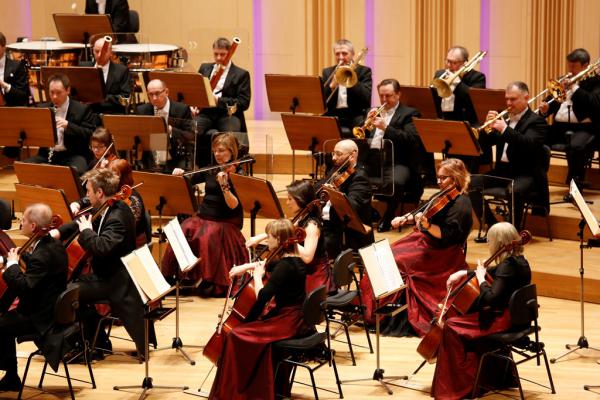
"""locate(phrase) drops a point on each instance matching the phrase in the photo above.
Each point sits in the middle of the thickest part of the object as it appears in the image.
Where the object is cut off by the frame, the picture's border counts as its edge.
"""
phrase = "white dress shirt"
(217, 91)
(60, 132)
(514, 120)
(377, 140)
(101, 6)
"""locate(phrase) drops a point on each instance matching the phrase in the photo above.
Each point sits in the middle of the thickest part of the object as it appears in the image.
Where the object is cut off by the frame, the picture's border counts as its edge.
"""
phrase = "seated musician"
(14, 81)
(427, 256)
(520, 155)
(245, 368)
(457, 359)
(395, 123)
(75, 123)
(116, 79)
(358, 191)
(38, 288)
(99, 144)
(301, 194)
(107, 238)
(178, 117)
(219, 221)
(576, 120)
(232, 94)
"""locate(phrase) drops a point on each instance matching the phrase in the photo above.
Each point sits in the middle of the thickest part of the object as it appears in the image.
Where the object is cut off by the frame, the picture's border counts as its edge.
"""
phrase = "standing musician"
(214, 233)
(245, 368)
(349, 104)
(119, 16)
(14, 83)
(108, 238)
(232, 94)
(432, 252)
(578, 116)
(457, 359)
(38, 288)
(395, 123)
(357, 189)
(520, 155)
(301, 194)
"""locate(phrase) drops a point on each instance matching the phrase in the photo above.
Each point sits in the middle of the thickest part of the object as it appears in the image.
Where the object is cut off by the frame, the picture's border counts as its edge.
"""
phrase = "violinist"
(245, 368)
(44, 279)
(301, 194)
(99, 144)
(457, 360)
(214, 233)
(427, 256)
(107, 238)
(354, 183)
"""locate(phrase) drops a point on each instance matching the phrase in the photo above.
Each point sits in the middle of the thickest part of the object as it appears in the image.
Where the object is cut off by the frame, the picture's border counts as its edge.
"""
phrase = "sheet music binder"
(146, 275)
(382, 270)
(183, 252)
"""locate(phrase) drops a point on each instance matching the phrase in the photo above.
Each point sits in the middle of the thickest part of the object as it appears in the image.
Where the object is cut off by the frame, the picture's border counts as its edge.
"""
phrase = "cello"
(462, 299)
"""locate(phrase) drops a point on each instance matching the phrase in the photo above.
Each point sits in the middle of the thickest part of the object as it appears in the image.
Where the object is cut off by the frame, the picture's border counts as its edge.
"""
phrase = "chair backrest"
(523, 306)
(342, 268)
(67, 304)
(312, 309)
(134, 21)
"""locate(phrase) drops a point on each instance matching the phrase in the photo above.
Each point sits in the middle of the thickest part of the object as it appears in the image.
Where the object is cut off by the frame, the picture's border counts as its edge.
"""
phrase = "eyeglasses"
(454, 62)
(96, 148)
(155, 94)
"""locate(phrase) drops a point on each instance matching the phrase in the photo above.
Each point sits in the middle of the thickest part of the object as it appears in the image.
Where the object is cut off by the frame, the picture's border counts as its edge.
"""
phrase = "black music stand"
(78, 28)
(54, 198)
(295, 93)
(309, 132)
(347, 214)
(190, 88)
(447, 137)
(421, 98)
(51, 176)
(25, 126)
(485, 100)
(87, 83)
(257, 197)
(131, 133)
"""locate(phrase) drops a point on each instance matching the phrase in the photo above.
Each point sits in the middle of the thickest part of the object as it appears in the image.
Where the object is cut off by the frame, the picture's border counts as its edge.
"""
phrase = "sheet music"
(145, 274)
(183, 253)
(382, 270)
(591, 221)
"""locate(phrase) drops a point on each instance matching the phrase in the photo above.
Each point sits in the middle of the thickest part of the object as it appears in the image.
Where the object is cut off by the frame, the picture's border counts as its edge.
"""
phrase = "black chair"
(299, 352)
(342, 308)
(134, 21)
(530, 198)
(523, 308)
(65, 327)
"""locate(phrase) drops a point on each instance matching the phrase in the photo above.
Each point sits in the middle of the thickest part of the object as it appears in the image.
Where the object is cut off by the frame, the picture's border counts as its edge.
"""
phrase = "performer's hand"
(61, 122)
(75, 207)
(544, 107)
(259, 271)
(254, 241)
(177, 172)
(480, 272)
(333, 84)
(12, 254)
(223, 178)
(380, 123)
(55, 234)
(84, 222)
(195, 111)
(499, 125)
(237, 270)
(422, 221)
(401, 220)
(455, 277)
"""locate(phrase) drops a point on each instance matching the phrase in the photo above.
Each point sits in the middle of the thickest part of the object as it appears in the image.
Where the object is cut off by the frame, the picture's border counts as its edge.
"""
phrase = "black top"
(214, 206)
(320, 251)
(286, 282)
(511, 274)
(463, 106)
(15, 74)
(455, 221)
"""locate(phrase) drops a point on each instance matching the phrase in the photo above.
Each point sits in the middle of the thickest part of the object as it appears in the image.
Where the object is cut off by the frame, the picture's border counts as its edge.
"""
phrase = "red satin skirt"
(246, 366)
(318, 273)
(219, 244)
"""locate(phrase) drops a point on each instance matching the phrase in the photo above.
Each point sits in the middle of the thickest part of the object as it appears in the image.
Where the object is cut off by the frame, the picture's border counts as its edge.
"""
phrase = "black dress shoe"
(384, 226)
(10, 383)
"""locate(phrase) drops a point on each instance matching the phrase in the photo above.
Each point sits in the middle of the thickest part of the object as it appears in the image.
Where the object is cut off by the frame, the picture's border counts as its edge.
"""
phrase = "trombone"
(345, 75)
(444, 82)
(359, 131)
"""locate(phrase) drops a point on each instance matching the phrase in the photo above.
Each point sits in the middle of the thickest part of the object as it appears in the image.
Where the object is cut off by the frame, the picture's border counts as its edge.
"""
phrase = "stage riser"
(566, 287)
(558, 173)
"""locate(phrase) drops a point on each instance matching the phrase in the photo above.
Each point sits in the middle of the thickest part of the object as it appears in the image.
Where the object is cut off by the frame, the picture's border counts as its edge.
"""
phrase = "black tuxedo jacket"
(359, 96)
(586, 102)
(182, 132)
(463, 107)
(15, 74)
(40, 285)
(236, 89)
(118, 10)
(117, 84)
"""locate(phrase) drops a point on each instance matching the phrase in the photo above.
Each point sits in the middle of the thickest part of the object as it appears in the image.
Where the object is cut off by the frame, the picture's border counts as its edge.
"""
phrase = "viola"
(437, 203)
(462, 299)
(339, 176)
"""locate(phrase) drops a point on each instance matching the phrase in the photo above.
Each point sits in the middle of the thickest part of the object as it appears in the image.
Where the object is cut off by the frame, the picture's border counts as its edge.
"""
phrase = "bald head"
(343, 150)
(158, 93)
(102, 58)
(39, 213)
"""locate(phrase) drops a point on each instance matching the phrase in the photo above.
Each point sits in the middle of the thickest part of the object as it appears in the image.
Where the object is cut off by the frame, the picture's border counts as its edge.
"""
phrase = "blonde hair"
(501, 234)
(457, 170)
(283, 230)
(39, 213)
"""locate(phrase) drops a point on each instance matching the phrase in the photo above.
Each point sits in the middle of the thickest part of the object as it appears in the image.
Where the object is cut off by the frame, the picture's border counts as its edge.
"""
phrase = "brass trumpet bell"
(358, 132)
(556, 90)
(346, 76)
(442, 86)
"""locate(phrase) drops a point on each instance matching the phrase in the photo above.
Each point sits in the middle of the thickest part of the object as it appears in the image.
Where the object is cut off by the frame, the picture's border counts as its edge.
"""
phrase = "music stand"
(25, 126)
(587, 218)
(190, 88)
(485, 100)
(421, 98)
(78, 28)
(87, 83)
(309, 132)
(54, 198)
(295, 93)
(344, 210)
(51, 176)
(447, 137)
(257, 198)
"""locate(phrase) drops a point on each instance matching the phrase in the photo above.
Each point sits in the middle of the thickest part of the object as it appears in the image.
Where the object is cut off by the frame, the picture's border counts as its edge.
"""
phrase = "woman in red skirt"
(458, 355)
(214, 234)
(245, 367)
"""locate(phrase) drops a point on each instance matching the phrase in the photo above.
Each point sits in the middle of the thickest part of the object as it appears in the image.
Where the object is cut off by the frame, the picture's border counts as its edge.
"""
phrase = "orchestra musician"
(457, 359)
(178, 117)
(245, 368)
(219, 221)
(119, 16)
(100, 141)
(301, 194)
(427, 256)
(232, 95)
(38, 288)
(576, 120)
(75, 123)
(358, 191)
(14, 81)
(107, 238)
(395, 123)
(349, 104)
(520, 155)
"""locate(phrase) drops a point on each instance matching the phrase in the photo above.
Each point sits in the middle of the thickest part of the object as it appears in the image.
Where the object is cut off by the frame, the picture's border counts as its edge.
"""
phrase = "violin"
(436, 204)
(340, 176)
(229, 167)
(463, 298)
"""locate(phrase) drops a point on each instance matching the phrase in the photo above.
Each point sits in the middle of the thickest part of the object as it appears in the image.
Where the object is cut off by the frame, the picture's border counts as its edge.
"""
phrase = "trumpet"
(359, 131)
(487, 126)
(345, 75)
(444, 82)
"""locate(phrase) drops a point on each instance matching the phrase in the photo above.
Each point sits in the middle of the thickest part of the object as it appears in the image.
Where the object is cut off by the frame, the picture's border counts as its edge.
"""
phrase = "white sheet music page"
(183, 252)
(591, 221)
(381, 268)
